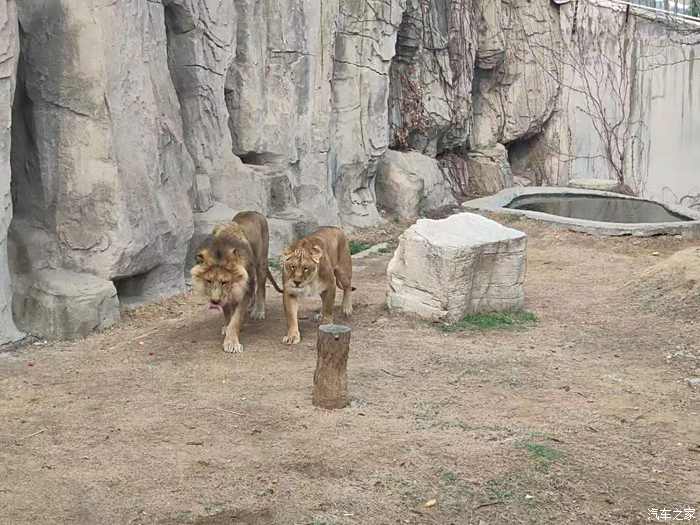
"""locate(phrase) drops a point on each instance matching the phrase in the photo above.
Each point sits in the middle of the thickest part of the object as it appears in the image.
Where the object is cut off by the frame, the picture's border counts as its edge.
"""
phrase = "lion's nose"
(215, 301)
(297, 283)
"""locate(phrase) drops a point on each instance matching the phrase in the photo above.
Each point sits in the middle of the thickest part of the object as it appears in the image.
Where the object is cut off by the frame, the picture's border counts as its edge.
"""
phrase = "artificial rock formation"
(9, 53)
(137, 124)
(465, 264)
(409, 184)
(64, 305)
(431, 76)
(489, 170)
(99, 166)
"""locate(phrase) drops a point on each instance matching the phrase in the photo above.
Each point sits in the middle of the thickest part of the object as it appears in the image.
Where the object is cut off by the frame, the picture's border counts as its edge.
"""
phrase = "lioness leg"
(344, 281)
(233, 330)
(259, 307)
(328, 298)
(291, 311)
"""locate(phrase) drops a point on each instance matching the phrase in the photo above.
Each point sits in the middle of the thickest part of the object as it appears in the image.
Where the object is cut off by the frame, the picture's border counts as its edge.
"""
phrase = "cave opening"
(527, 157)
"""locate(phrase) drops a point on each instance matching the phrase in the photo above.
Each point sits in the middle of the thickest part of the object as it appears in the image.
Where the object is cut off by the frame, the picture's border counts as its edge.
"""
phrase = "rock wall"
(101, 175)
(138, 124)
(9, 53)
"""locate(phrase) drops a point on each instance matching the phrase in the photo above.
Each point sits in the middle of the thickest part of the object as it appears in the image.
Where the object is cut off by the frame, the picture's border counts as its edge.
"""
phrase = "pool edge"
(497, 204)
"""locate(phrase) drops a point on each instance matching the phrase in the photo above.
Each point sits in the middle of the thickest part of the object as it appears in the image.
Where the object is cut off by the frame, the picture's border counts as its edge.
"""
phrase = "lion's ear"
(286, 254)
(200, 257)
(232, 252)
(316, 254)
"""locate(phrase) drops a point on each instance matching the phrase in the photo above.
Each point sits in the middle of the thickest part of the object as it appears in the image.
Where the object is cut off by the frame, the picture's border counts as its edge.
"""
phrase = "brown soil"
(586, 417)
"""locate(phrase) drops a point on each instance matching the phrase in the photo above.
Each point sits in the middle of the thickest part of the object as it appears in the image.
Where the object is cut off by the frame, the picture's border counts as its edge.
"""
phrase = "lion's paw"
(258, 314)
(323, 319)
(233, 347)
(291, 339)
(347, 310)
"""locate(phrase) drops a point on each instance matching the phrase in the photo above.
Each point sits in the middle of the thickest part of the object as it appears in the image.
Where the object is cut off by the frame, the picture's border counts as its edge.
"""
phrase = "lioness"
(231, 271)
(316, 264)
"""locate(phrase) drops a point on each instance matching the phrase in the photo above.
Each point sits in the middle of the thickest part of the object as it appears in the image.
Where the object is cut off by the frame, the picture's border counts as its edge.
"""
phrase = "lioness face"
(301, 267)
(221, 284)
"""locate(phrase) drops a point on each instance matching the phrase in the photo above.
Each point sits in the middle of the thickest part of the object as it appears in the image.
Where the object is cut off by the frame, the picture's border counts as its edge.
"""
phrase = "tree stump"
(331, 375)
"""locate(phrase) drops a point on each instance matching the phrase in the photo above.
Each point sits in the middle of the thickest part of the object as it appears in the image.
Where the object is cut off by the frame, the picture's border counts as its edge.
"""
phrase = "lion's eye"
(306, 270)
(225, 282)
(291, 268)
(208, 281)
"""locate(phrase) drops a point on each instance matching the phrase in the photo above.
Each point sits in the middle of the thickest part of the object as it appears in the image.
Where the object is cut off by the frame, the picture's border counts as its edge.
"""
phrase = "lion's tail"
(274, 283)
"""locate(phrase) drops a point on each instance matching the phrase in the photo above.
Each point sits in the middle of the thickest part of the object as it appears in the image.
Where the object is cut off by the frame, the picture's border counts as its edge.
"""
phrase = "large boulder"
(489, 170)
(64, 305)
(409, 184)
(446, 269)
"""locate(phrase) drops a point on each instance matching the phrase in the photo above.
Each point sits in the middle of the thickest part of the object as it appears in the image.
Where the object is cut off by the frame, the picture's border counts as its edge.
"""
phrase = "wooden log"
(331, 375)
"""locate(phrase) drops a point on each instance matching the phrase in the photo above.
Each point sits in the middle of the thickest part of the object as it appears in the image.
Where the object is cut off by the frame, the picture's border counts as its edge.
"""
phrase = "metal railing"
(690, 8)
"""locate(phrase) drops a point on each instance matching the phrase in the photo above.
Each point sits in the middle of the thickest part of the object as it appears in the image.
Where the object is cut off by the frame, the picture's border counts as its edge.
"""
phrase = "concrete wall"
(661, 65)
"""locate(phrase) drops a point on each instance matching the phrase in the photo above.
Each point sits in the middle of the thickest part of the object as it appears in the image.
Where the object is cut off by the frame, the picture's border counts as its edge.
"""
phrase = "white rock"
(443, 270)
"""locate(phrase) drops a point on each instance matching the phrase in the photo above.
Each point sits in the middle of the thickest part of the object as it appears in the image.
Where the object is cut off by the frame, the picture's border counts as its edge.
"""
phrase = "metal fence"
(676, 7)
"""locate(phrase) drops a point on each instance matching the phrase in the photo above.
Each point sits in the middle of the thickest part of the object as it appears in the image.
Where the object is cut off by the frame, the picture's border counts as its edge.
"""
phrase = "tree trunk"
(331, 377)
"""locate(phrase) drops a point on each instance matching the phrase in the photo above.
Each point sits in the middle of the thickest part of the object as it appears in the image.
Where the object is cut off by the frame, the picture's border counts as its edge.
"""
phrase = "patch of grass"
(274, 264)
(384, 250)
(542, 454)
(455, 493)
(448, 477)
(357, 247)
(500, 489)
(491, 321)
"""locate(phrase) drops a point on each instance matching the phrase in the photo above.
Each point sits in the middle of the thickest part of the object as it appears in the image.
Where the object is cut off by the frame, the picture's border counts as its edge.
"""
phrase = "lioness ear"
(316, 254)
(200, 257)
(232, 252)
(286, 255)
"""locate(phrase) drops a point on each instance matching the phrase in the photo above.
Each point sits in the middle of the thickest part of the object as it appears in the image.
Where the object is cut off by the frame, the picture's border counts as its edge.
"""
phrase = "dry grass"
(584, 417)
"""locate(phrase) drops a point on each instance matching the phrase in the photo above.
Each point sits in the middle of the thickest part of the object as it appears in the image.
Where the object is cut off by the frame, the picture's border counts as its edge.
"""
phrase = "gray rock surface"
(60, 304)
(446, 269)
(489, 170)
(514, 100)
(99, 165)
(129, 116)
(491, 50)
(9, 52)
(409, 184)
(431, 76)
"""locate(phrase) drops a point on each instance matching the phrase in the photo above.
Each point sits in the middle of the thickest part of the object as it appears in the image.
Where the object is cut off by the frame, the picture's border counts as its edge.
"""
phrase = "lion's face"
(222, 280)
(301, 267)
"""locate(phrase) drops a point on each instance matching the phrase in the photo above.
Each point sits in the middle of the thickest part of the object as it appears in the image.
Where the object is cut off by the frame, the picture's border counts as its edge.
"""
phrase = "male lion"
(316, 264)
(231, 271)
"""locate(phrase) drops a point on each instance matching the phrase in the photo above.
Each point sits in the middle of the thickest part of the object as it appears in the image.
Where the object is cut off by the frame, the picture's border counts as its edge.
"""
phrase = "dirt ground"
(585, 417)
